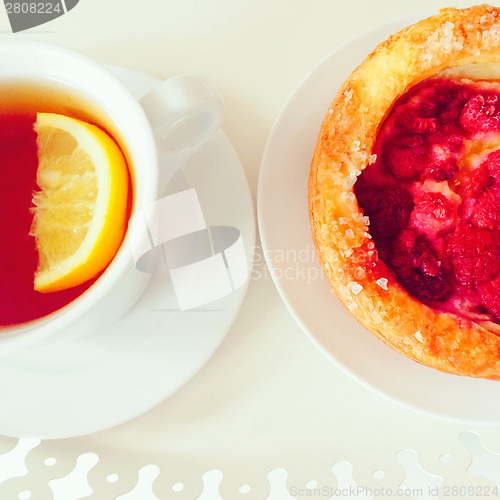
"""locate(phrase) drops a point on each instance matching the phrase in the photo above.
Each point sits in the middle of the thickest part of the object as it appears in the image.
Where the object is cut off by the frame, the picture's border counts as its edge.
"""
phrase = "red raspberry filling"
(433, 195)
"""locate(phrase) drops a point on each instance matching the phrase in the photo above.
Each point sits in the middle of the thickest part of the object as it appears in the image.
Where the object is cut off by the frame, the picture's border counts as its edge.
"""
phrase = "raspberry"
(452, 105)
(486, 211)
(402, 259)
(490, 297)
(492, 163)
(434, 205)
(406, 157)
(433, 213)
(450, 142)
(430, 288)
(444, 150)
(473, 253)
(473, 182)
(414, 122)
(480, 113)
(418, 268)
(388, 207)
(428, 264)
(441, 170)
(442, 101)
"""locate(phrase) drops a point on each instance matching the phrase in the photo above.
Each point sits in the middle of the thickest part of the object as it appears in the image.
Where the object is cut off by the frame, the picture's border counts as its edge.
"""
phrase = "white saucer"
(67, 388)
(289, 250)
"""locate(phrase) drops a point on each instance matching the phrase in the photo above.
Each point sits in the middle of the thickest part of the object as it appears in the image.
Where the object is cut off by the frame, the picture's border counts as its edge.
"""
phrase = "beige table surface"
(268, 405)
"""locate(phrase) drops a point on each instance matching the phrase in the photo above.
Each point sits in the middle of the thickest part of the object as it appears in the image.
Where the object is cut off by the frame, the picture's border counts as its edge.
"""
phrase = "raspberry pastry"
(404, 192)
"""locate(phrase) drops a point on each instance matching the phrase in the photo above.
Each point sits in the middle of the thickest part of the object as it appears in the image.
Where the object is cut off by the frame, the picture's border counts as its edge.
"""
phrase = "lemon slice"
(80, 211)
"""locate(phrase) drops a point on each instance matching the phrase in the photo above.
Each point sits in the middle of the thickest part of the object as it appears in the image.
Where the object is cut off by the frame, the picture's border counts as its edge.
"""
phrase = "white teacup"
(181, 114)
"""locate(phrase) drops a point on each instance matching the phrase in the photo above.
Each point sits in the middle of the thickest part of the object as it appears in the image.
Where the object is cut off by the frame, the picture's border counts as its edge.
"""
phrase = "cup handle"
(184, 111)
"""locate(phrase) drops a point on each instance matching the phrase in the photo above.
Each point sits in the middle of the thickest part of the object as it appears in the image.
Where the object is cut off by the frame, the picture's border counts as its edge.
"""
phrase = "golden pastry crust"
(347, 254)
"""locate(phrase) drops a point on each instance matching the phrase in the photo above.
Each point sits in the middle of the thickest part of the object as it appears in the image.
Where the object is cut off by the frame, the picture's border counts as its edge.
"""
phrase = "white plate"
(72, 387)
(289, 250)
